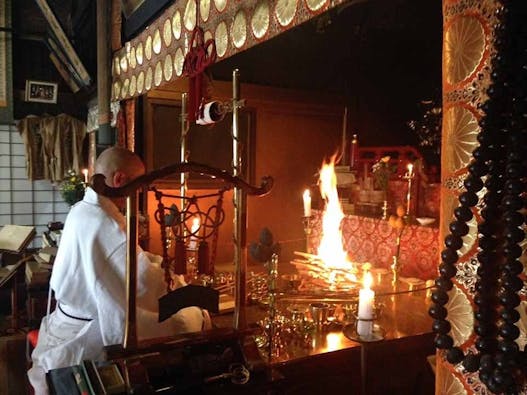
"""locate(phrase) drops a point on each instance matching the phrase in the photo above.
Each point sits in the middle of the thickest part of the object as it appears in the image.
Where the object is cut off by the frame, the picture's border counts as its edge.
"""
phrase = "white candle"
(365, 316)
(307, 203)
(85, 172)
(194, 230)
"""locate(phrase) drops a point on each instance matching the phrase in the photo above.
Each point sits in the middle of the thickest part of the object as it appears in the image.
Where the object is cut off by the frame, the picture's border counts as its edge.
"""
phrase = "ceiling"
(382, 56)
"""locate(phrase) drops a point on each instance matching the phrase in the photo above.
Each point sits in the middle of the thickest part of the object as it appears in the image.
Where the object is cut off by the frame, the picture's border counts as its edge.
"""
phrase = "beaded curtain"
(468, 47)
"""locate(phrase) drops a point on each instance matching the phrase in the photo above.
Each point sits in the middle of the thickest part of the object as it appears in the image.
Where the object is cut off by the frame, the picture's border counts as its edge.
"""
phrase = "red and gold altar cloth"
(374, 240)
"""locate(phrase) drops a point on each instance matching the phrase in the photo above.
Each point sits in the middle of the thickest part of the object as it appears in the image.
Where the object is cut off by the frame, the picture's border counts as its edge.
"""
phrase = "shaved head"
(119, 166)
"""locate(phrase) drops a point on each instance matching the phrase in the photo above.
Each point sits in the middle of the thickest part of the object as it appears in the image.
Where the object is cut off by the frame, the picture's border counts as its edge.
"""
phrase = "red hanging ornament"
(201, 55)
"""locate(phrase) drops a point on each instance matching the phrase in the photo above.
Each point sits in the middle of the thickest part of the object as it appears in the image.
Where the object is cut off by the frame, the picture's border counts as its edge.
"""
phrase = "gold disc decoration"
(167, 32)
(204, 9)
(222, 39)
(148, 79)
(116, 89)
(189, 17)
(285, 11)
(447, 382)
(315, 5)
(158, 74)
(139, 53)
(132, 60)
(133, 85)
(124, 88)
(148, 48)
(220, 4)
(523, 245)
(462, 129)
(156, 44)
(116, 66)
(464, 46)
(260, 19)
(176, 25)
(167, 67)
(239, 29)
(140, 82)
(522, 325)
(179, 58)
(460, 315)
(124, 64)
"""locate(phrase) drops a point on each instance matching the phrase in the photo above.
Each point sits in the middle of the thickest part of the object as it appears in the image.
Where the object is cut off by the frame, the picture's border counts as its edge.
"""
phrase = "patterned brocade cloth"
(374, 240)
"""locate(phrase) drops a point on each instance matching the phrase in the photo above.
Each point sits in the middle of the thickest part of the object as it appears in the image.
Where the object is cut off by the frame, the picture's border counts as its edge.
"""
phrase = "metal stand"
(350, 331)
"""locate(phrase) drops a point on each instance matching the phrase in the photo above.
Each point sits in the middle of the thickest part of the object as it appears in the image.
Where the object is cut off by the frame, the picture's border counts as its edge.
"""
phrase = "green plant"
(72, 188)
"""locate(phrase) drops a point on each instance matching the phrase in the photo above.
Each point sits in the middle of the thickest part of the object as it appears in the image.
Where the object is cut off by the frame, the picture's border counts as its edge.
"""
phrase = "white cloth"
(88, 279)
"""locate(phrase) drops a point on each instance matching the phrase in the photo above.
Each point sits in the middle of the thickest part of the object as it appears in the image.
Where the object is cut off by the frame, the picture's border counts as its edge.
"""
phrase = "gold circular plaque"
(448, 383)
(239, 29)
(133, 85)
(464, 47)
(460, 130)
(189, 17)
(140, 82)
(124, 64)
(222, 39)
(179, 58)
(176, 25)
(204, 9)
(167, 32)
(285, 11)
(260, 19)
(116, 66)
(158, 74)
(315, 5)
(148, 48)
(124, 88)
(133, 60)
(460, 315)
(148, 79)
(168, 67)
(220, 4)
(156, 46)
(116, 90)
(139, 53)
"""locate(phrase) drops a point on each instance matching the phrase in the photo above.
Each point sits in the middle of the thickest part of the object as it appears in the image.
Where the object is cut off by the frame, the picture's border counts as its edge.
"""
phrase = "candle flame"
(367, 280)
(195, 225)
(331, 250)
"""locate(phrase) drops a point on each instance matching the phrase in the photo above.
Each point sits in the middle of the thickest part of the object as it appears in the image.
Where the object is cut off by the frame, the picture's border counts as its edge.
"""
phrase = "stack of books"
(35, 275)
(45, 257)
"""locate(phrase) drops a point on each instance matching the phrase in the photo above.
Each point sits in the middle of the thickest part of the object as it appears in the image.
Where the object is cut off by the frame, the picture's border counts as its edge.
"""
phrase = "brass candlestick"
(409, 176)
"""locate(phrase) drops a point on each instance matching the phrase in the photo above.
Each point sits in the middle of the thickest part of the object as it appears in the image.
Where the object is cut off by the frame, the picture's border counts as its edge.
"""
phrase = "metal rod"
(183, 154)
(240, 212)
(130, 330)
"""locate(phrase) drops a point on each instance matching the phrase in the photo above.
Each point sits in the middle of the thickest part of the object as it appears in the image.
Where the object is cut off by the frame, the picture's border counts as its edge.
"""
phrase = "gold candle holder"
(307, 223)
(409, 176)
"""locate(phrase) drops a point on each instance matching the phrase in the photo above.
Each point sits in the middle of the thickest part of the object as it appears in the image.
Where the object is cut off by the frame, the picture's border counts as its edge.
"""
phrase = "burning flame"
(331, 250)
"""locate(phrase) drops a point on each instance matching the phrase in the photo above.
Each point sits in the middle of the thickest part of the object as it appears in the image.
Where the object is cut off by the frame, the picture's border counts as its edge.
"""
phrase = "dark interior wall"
(31, 59)
(384, 57)
(294, 132)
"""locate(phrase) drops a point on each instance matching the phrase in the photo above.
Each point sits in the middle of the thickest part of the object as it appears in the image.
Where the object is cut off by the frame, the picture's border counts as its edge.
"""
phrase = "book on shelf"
(83, 384)
(89, 368)
(36, 275)
(45, 257)
(15, 238)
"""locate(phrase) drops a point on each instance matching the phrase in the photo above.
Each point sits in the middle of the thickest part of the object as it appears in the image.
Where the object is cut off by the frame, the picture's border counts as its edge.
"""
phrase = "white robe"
(88, 279)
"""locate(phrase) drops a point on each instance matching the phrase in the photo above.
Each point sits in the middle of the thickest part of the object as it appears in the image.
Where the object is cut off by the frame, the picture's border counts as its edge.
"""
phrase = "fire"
(331, 250)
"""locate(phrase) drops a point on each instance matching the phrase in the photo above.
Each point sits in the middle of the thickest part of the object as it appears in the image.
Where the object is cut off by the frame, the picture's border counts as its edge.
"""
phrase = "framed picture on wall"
(41, 91)
(209, 145)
